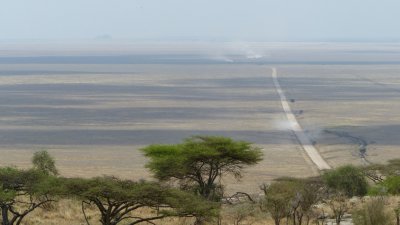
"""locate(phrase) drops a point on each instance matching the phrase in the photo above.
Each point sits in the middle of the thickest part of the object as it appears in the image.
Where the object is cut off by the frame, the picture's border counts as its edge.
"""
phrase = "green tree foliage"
(119, 200)
(44, 162)
(378, 172)
(349, 180)
(242, 213)
(310, 192)
(23, 191)
(278, 199)
(292, 198)
(391, 185)
(385, 176)
(199, 162)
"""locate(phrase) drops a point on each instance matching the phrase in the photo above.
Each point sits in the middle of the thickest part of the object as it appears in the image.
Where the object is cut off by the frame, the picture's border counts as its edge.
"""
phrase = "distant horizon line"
(195, 40)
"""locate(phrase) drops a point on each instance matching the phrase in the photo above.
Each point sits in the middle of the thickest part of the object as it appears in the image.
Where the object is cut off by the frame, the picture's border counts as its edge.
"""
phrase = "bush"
(373, 213)
(390, 185)
(44, 162)
(242, 213)
(292, 198)
(278, 199)
(377, 190)
(347, 179)
(338, 203)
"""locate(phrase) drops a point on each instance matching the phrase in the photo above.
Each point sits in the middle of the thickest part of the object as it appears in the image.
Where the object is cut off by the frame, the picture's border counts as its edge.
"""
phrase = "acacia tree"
(44, 162)
(310, 191)
(339, 205)
(199, 162)
(23, 191)
(277, 202)
(119, 200)
(292, 198)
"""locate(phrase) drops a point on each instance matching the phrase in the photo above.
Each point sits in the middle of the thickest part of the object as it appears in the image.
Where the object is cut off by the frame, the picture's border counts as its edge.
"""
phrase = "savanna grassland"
(94, 118)
(94, 113)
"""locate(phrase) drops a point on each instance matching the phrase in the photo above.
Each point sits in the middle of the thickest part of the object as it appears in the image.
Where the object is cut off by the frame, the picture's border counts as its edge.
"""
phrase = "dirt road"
(305, 142)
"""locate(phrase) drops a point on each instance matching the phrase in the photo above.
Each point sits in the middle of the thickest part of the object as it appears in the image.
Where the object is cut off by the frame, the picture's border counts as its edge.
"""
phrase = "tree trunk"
(4, 214)
(200, 221)
(277, 221)
(338, 219)
(300, 219)
(18, 222)
(294, 218)
(106, 220)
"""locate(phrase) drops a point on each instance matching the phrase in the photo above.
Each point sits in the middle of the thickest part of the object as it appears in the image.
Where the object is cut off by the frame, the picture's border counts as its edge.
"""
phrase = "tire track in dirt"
(362, 143)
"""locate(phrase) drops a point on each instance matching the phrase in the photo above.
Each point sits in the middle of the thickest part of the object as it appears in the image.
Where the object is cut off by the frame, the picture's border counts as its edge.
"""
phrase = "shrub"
(338, 203)
(373, 213)
(242, 213)
(44, 162)
(278, 199)
(292, 198)
(349, 180)
(391, 185)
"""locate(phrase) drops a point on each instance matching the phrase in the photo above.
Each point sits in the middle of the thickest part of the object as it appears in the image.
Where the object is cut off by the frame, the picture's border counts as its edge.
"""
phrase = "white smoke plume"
(283, 125)
(232, 51)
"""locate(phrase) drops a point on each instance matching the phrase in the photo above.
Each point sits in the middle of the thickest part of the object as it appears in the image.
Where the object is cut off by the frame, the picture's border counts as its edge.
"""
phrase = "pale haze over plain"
(237, 20)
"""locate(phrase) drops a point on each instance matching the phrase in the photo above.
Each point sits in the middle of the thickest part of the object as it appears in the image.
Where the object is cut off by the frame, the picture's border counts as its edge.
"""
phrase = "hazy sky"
(269, 20)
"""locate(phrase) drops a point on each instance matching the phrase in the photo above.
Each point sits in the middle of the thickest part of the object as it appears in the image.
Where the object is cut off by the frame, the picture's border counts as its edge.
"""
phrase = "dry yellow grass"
(67, 212)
